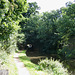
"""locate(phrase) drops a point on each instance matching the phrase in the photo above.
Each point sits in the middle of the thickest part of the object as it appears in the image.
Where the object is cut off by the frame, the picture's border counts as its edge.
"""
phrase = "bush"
(53, 67)
(3, 59)
(9, 45)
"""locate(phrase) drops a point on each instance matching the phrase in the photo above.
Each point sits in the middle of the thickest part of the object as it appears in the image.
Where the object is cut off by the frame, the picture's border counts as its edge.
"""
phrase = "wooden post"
(3, 72)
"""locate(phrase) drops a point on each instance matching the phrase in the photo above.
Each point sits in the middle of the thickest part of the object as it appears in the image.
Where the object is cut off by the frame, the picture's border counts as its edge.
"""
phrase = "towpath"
(20, 66)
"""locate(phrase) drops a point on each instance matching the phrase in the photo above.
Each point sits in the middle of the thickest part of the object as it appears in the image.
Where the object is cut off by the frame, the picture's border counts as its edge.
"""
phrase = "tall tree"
(47, 32)
(10, 16)
(32, 9)
(66, 29)
(27, 24)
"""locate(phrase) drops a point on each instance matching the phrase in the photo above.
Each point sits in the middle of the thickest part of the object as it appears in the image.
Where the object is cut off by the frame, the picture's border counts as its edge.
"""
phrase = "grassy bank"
(12, 66)
(29, 65)
(7, 63)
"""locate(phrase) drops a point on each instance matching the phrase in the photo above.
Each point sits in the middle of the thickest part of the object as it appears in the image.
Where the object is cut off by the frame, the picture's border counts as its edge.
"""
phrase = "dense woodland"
(49, 32)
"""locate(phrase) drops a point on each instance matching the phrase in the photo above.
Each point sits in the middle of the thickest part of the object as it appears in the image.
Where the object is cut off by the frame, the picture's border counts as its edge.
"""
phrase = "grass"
(11, 66)
(7, 63)
(29, 65)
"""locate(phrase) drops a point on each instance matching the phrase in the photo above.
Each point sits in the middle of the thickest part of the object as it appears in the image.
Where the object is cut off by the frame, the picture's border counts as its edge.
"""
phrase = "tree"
(28, 25)
(47, 33)
(32, 9)
(10, 16)
(66, 29)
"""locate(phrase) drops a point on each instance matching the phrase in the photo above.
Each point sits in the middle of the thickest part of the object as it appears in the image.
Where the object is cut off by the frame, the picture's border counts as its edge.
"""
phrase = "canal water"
(36, 56)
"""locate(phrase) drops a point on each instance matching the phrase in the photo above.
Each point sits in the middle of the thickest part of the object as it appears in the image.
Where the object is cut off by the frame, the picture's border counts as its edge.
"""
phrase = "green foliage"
(20, 38)
(71, 11)
(9, 45)
(53, 67)
(51, 30)
(47, 32)
(9, 20)
(66, 29)
(26, 24)
(41, 29)
(3, 59)
(32, 9)
(67, 53)
(10, 16)
(7, 64)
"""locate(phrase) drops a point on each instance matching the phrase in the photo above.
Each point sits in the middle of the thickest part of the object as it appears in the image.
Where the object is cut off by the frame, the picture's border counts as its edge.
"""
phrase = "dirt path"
(21, 69)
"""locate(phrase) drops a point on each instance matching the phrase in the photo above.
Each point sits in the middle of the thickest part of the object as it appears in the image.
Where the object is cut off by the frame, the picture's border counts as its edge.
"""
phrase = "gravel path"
(21, 69)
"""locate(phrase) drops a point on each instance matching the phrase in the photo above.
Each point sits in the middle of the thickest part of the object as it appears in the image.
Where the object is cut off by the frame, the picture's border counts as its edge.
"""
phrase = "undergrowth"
(7, 63)
(52, 67)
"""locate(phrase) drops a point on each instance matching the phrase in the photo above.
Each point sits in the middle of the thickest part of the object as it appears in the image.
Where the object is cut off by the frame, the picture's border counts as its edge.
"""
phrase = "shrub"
(9, 45)
(3, 59)
(53, 67)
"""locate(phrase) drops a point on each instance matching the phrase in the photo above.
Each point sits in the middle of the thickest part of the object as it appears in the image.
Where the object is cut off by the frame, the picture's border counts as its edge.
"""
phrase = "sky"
(49, 5)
